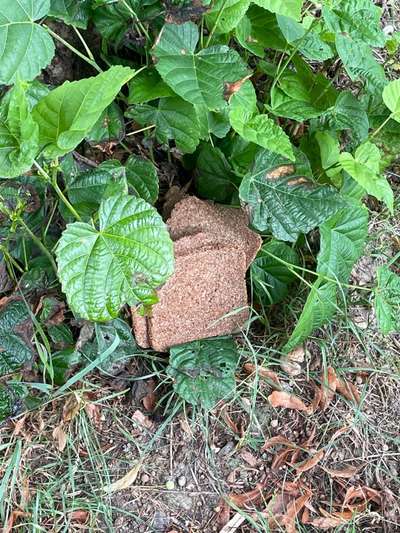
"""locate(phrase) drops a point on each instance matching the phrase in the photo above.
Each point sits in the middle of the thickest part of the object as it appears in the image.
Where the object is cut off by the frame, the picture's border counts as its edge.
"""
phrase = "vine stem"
(219, 15)
(375, 133)
(73, 49)
(53, 181)
(39, 244)
(137, 20)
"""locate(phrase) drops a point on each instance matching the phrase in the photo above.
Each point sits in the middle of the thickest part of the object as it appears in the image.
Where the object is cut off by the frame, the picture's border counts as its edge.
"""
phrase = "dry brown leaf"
(327, 522)
(293, 509)
(72, 407)
(328, 387)
(345, 473)
(363, 493)
(232, 88)
(60, 437)
(142, 419)
(288, 401)
(236, 428)
(126, 481)
(270, 375)
(249, 458)
(19, 425)
(290, 363)
(79, 516)
(93, 412)
(12, 519)
(348, 390)
(281, 458)
(278, 440)
(241, 500)
(308, 464)
(316, 401)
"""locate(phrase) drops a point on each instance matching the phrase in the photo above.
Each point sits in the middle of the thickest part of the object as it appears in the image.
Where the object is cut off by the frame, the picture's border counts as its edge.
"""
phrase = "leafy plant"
(238, 99)
(204, 371)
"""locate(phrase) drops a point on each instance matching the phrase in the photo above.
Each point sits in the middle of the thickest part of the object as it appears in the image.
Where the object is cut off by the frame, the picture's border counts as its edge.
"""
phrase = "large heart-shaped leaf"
(123, 261)
(204, 370)
(199, 78)
(25, 47)
(387, 300)
(142, 178)
(69, 112)
(281, 196)
(259, 129)
(174, 118)
(364, 167)
(15, 336)
(342, 243)
(19, 134)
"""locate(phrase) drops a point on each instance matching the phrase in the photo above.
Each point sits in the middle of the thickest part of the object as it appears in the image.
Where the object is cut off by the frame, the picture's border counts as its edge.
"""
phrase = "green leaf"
(25, 47)
(342, 244)
(347, 114)
(142, 178)
(123, 261)
(359, 62)
(200, 78)
(364, 167)
(11, 396)
(103, 340)
(68, 113)
(16, 348)
(63, 363)
(215, 180)
(212, 122)
(358, 18)
(251, 34)
(308, 42)
(174, 118)
(74, 12)
(259, 129)
(330, 152)
(288, 8)
(283, 199)
(110, 127)
(204, 370)
(87, 189)
(224, 15)
(391, 97)
(19, 134)
(270, 276)
(387, 300)
(146, 86)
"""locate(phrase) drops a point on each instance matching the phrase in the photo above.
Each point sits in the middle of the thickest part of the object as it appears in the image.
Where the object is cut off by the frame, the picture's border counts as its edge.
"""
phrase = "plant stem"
(39, 244)
(53, 181)
(220, 12)
(140, 131)
(73, 49)
(136, 18)
(88, 51)
(374, 133)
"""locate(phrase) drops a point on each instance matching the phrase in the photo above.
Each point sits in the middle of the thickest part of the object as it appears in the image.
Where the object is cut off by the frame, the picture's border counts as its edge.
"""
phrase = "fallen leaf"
(328, 387)
(126, 481)
(93, 412)
(79, 516)
(223, 513)
(60, 437)
(308, 464)
(270, 375)
(249, 458)
(281, 458)
(293, 509)
(72, 407)
(327, 522)
(241, 500)
(233, 524)
(142, 420)
(150, 399)
(232, 88)
(19, 425)
(345, 473)
(276, 441)
(290, 363)
(348, 390)
(288, 401)
(236, 428)
(12, 519)
(363, 493)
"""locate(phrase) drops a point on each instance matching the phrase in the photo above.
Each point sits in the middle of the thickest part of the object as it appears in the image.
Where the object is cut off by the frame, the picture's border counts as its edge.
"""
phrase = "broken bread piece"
(207, 295)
